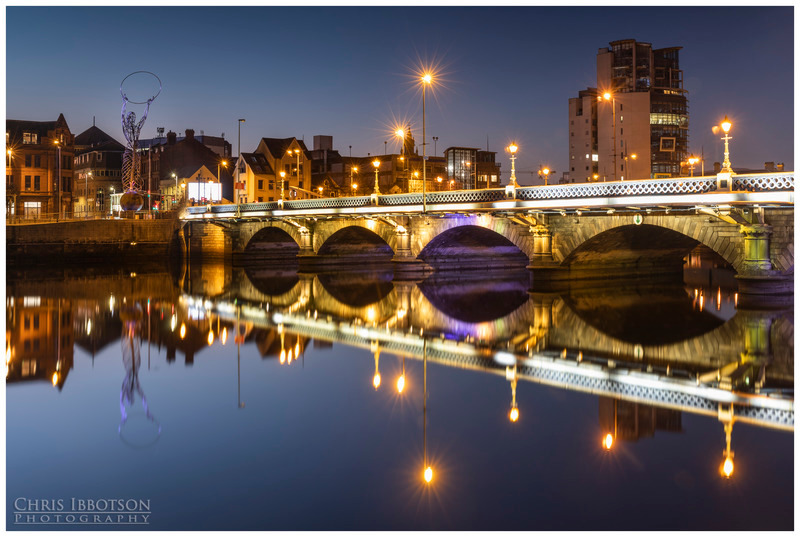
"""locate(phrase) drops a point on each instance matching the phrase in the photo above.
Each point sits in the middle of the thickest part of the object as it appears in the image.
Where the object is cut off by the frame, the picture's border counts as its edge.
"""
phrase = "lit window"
(595, 157)
(587, 155)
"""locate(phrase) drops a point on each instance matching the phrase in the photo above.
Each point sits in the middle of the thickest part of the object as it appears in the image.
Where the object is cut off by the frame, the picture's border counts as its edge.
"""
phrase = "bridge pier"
(759, 283)
(405, 263)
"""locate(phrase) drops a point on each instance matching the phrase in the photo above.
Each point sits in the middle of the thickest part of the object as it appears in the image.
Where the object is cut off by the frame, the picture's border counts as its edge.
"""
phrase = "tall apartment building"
(642, 129)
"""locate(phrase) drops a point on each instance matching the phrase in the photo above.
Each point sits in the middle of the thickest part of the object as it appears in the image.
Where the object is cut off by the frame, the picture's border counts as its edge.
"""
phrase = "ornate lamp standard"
(86, 188)
(283, 176)
(352, 184)
(726, 127)
(377, 164)
(692, 160)
(512, 181)
(427, 78)
(544, 172)
(224, 164)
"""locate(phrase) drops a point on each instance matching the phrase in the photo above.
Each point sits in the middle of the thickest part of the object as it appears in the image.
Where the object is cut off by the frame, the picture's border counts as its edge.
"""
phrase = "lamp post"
(377, 164)
(435, 139)
(401, 133)
(354, 186)
(544, 172)
(726, 127)
(439, 180)
(692, 160)
(86, 193)
(297, 155)
(610, 97)
(283, 176)
(111, 202)
(175, 196)
(512, 181)
(633, 156)
(353, 169)
(426, 79)
(224, 164)
(58, 179)
(239, 150)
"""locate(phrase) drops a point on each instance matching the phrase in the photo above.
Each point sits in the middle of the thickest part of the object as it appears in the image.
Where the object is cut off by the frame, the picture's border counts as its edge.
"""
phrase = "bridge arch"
(355, 237)
(474, 234)
(660, 239)
(275, 237)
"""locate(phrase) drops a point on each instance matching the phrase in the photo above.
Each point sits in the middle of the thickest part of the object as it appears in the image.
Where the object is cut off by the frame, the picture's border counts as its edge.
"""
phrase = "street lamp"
(239, 149)
(692, 160)
(86, 193)
(512, 181)
(439, 180)
(726, 127)
(224, 164)
(283, 176)
(175, 196)
(111, 202)
(353, 169)
(633, 156)
(610, 97)
(354, 187)
(58, 179)
(427, 78)
(297, 155)
(544, 172)
(401, 133)
(377, 164)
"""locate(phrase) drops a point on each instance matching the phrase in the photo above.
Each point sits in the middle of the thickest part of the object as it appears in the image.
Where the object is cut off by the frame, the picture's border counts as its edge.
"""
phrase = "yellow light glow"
(513, 148)
(371, 314)
(727, 467)
(9, 152)
(546, 171)
(355, 168)
(283, 355)
(8, 354)
(289, 357)
(607, 96)
(401, 383)
(427, 78)
(210, 337)
(355, 186)
(376, 163)
(297, 349)
(55, 379)
(224, 163)
(224, 337)
(634, 156)
(320, 190)
(400, 133)
(726, 125)
(608, 441)
(183, 330)
(439, 179)
(693, 160)
(376, 380)
(173, 323)
(416, 174)
(88, 327)
(428, 475)
(283, 174)
(514, 414)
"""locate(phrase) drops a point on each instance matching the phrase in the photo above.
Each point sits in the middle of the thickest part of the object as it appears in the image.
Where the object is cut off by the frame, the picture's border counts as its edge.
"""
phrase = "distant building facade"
(642, 130)
(97, 171)
(32, 168)
(260, 171)
(470, 168)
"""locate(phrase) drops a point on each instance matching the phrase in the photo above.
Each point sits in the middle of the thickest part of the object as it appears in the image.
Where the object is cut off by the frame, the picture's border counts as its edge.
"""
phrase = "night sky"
(504, 73)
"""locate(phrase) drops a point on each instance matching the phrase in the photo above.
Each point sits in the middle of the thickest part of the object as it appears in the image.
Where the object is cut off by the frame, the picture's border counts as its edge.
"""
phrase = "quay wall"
(93, 241)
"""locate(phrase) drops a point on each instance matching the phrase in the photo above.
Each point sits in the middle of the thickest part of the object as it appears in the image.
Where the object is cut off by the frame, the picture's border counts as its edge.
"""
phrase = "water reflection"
(649, 353)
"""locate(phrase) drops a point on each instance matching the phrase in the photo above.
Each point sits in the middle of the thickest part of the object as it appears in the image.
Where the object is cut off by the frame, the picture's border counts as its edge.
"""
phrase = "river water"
(214, 397)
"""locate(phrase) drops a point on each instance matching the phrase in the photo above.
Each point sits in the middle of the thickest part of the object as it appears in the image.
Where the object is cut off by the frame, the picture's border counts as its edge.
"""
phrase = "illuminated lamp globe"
(131, 201)
(428, 474)
(726, 125)
(608, 441)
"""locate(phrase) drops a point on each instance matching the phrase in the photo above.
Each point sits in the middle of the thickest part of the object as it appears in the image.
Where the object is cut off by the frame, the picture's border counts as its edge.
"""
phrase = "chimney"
(717, 167)
(189, 134)
(171, 138)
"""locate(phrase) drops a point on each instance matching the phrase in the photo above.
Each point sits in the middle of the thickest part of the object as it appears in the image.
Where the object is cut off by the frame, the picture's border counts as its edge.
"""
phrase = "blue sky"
(347, 72)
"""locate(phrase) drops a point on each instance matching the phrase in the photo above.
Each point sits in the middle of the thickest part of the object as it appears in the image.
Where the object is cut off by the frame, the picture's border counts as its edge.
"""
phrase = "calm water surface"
(270, 400)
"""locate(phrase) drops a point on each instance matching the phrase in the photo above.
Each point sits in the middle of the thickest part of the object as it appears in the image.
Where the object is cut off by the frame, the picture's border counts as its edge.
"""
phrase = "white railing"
(768, 182)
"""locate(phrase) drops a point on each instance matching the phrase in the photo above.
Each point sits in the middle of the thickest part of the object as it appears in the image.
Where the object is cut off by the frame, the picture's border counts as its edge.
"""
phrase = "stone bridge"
(572, 232)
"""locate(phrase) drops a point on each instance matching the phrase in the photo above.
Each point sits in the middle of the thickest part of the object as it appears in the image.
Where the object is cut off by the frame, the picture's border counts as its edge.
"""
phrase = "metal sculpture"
(131, 200)
(131, 317)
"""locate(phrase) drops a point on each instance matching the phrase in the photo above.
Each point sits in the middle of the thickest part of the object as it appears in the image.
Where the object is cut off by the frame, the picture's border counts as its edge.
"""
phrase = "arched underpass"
(354, 244)
(472, 247)
(271, 243)
(626, 249)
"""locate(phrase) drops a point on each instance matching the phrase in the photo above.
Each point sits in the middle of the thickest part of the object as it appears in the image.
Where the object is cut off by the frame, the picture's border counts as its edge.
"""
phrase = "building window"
(37, 161)
(30, 138)
(28, 160)
(36, 183)
(33, 208)
(261, 185)
(620, 131)
(261, 199)
(27, 182)
(271, 184)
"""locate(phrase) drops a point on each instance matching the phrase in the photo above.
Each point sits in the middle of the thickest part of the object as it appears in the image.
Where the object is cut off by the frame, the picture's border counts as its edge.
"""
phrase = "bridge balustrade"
(684, 185)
